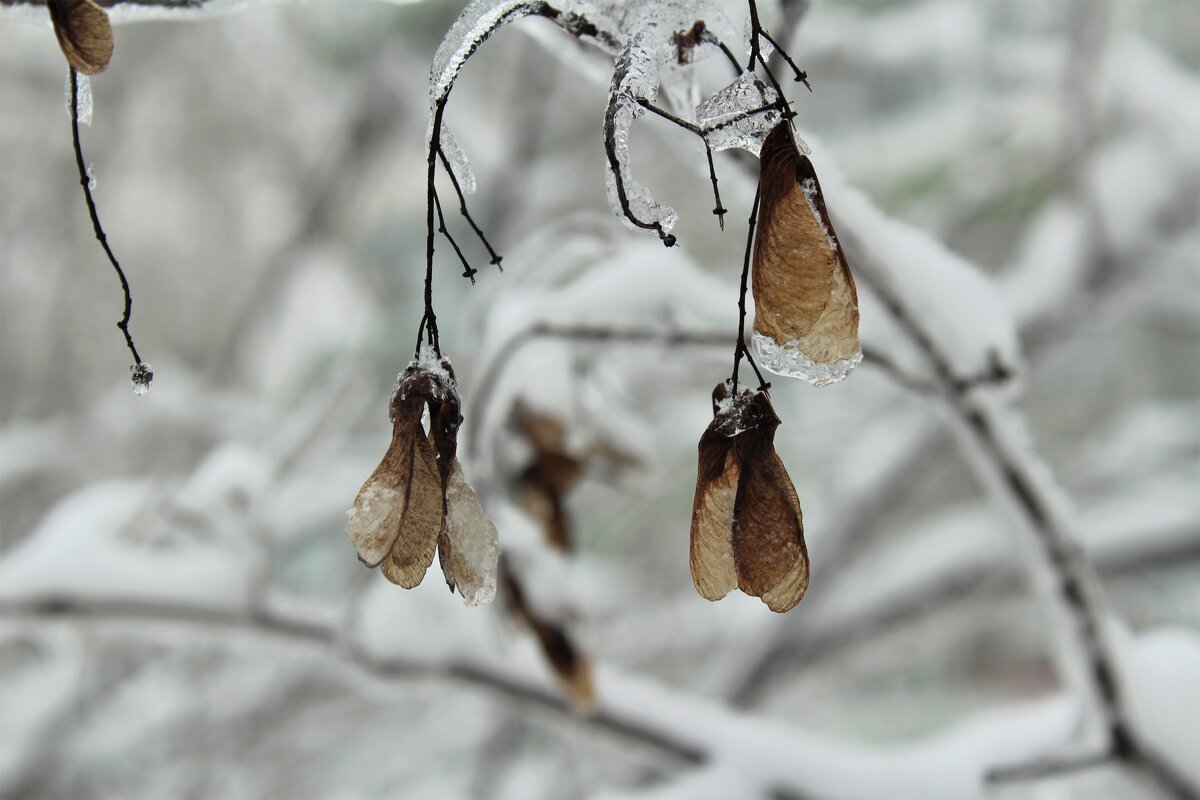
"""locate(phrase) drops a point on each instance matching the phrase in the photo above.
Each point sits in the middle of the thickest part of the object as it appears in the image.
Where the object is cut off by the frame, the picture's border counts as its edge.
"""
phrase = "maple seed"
(570, 664)
(417, 501)
(806, 306)
(84, 34)
(553, 470)
(747, 527)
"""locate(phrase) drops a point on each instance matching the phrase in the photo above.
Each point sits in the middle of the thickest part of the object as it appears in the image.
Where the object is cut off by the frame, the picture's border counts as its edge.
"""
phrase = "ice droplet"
(140, 376)
(91, 173)
(85, 97)
(789, 361)
(718, 115)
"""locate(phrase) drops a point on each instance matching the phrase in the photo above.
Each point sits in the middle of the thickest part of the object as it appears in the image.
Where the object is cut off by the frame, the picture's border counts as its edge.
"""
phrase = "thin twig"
(496, 258)
(468, 270)
(1049, 767)
(740, 350)
(85, 182)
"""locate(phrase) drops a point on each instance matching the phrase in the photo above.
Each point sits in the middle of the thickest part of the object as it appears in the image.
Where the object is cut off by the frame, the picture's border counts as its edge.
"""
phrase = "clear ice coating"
(472, 28)
(789, 361)
(85, 97)
(635, 77)
(457, 159)
(765, 48)
(718, 115)
(474, 545)
(140, 376)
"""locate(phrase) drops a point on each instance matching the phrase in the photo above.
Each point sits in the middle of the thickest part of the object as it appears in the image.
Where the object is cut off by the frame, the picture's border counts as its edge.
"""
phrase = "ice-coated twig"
(474, 26)
(85, 181)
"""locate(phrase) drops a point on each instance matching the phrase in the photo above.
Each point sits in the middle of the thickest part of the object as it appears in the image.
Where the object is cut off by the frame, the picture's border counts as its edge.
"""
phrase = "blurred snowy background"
(183, 615)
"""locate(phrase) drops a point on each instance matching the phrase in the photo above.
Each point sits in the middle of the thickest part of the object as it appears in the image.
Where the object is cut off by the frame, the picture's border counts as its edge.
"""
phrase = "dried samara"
(747, 527)
(806, 306)
(418, 500)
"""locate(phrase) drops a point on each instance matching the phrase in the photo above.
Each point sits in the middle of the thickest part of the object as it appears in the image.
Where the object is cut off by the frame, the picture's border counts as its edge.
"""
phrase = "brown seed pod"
(551, 474)
(398, 513)
(83, 32)
(570, 664)
(806, 305)
(417, 501)
(747, 526)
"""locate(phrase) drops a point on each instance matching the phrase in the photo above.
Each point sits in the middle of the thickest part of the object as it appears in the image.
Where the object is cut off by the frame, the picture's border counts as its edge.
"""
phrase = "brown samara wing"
(551, 473)
(806, 305)
(421, 523)
(397, 514)
(768, 525)
(717, 476)
(84, 34)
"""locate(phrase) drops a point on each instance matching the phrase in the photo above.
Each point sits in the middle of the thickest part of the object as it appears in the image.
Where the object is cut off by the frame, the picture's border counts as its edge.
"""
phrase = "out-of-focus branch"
(683, 729)
(1017, 476)
(813, 640)
(616, 334)
(362, 140)
(312, 631)
(1049, 768)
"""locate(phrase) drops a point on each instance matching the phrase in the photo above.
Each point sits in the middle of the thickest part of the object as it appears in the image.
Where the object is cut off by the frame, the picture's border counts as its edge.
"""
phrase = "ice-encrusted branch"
(470, 31)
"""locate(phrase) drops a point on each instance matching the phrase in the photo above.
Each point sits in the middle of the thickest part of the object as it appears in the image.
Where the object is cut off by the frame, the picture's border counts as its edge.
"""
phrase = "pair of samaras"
(806, 306)
(417, 501)
(747, 528)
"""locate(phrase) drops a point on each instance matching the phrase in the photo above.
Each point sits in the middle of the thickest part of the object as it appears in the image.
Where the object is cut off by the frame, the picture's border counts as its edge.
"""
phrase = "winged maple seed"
(570, 664)
(556, 463)
(418, 500)
(83, 32)
(806, 306)
(552, 471)
(747, 527)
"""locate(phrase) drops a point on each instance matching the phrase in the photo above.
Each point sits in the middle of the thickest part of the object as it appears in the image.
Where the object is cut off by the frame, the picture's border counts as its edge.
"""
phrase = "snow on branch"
(768, 756)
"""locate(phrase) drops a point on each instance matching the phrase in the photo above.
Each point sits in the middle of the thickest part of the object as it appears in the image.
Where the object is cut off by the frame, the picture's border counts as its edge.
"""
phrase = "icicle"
(84, 86)
(140, 376)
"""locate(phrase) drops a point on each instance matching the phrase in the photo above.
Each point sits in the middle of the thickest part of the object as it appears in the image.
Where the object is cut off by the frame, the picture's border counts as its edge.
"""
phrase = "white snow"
(81, 550)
